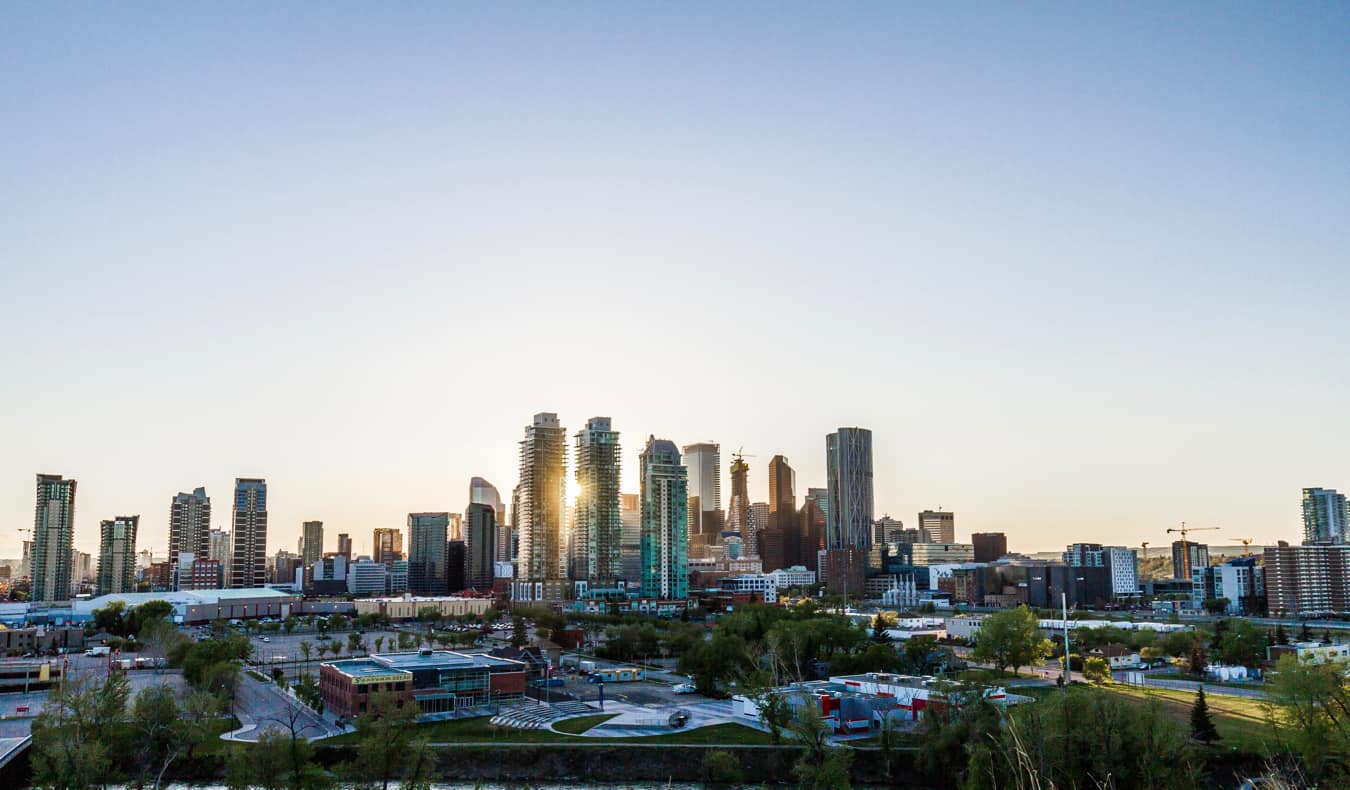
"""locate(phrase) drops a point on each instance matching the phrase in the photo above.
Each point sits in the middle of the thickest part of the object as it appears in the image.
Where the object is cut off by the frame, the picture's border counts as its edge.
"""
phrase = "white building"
(367, 577)
(761, 584)
(796, 576)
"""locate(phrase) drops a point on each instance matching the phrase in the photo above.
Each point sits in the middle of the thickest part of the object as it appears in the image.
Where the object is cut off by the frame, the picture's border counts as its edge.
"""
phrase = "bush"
(722, 768)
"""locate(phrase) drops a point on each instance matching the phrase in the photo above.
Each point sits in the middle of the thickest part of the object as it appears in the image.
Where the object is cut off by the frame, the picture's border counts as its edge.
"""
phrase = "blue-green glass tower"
(665, 521)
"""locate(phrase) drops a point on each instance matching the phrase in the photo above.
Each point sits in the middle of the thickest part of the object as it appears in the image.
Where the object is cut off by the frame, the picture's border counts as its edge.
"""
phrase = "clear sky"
(1083, 271)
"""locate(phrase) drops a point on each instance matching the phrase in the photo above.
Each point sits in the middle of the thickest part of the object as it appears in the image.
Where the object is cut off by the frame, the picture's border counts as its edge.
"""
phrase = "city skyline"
(1065, 266)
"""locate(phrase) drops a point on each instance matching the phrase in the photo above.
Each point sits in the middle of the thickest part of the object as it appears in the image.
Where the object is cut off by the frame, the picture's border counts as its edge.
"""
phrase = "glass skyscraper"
(117, 555)
(848, 465)
(428, 534)
(665, 524)
(597, 525)
(1325, 515)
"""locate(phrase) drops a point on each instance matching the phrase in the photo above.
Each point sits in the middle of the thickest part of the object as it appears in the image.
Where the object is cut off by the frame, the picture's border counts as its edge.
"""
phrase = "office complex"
(386, 545)
(989, 546)
(53, 539)
(739, 520)
(428, 562)
(665, 525)
(117, 555)
(189, 526)
(311, 542)
(783, 523)
(248, 566)
(344, 545)
(1324, 515)
(848, 465)
(706, 520)
(597, 529)
(480, 539)
(481, 492)
(542, 562)
(1121, 564)
(939, 525)
(1187, 556)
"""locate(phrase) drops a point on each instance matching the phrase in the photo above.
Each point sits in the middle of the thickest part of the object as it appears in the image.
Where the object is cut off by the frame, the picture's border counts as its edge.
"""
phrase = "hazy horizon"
(1082, 271)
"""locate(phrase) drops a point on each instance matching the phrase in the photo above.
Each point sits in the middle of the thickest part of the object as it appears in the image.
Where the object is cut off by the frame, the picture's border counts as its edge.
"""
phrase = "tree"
(722, 768)
(1215, 606)
(73, 736)
(1304, 635)
(387, 748)
(1243, 644)
(1199, 660)
(159, 731)
(1011, 638)
(775, 711)
(306, 650)
(379, 644)
(1202, 725)
(1097, 670)
(518, 635)
(879, 625)
(1310, 714)
(821, 766)
(353, 643)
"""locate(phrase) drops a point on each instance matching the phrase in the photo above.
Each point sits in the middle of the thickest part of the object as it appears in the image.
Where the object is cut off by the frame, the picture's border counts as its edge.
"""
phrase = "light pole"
(1064, 601)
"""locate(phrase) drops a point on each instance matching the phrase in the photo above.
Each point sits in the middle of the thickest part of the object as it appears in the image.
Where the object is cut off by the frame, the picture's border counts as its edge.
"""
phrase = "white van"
(100, 650)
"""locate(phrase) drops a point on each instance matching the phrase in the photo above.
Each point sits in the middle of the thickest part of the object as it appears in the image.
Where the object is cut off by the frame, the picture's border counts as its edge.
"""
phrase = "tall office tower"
(117, 555)
(848, 464)
(783, 511)
(940, 526)
(345, 545)
(813, 526)
(53, 536)
(1325, 516)
(455, 530)
(989, 546)
(480, 537)
(888, 530)
(665, 521)
(428, 565)
(249, 565)
(706, 522)
(456, 565)
(387, 545)
(311, 542)
(512, 551)
(759, 524)
(598, 526)
(630, 513)
(542, 563)
(189, 526)
(739, 519)
(221, 550)
(481, 492)
(1183, 566)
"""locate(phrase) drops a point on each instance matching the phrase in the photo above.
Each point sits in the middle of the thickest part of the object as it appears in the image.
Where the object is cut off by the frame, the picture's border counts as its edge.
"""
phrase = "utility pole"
(1064, 601)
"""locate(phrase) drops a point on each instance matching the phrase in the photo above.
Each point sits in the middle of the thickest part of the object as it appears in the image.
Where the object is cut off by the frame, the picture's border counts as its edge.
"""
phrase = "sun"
(573, 491)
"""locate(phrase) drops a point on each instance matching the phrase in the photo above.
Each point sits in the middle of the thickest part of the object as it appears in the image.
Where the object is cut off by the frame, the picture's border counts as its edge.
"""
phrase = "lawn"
(1241, 721)
(582, 723)
(479, 730)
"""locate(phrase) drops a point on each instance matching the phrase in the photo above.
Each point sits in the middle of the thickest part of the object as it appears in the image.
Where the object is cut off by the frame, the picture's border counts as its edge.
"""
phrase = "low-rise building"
(442, 683)
(408, 607)
(761, 585)
(1118, 656)
(1310, 652)
(795, 576)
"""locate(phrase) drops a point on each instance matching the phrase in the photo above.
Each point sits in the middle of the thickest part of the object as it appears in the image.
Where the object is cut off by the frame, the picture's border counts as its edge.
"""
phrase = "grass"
(1241, 721)
(479, 730)
(582, 723)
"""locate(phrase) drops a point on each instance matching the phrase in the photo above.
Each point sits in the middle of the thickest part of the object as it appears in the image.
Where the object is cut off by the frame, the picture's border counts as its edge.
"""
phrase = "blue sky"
(1083, 271)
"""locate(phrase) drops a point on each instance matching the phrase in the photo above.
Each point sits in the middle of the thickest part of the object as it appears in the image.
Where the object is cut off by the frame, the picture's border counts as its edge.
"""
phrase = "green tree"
(1215, 606)
(519, 637)
(1097, 670)
(722, 768)
(1011, 638)
(1310, 713)
(1202, 725)
(1243, 644)
(821, 766)
(353, 643)
(775, 711)
(73, 736)
(158, 725)
(306, 650)
(1304, 635)
(1199, 659)
(387, 746)
(879, 626)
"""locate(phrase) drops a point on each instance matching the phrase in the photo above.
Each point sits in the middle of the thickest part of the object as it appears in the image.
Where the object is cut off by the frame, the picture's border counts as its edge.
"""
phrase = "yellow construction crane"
(1246, 545)
(1186, 545)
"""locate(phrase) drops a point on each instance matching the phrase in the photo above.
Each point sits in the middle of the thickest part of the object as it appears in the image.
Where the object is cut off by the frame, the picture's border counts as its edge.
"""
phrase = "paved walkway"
(262, 706)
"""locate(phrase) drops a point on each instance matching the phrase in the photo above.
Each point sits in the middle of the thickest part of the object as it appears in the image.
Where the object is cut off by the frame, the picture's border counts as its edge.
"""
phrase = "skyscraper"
(480, 533)
(221, 551)
(510, 550)
(783, 522)
(249, 565)
(53, 536)
(630, 512)
(848, 464)
(387, 545)
(814, 507)
(989, 546)
(940, 525)
(665, 524)
(1325, 516)
(189, 526)
(344, 545)
(597, 525)
(117, 555)
(481, 492)
(706, 522)
(428, 535)
(739, 519)
(542, 565)
(759, 524)
(311, 542)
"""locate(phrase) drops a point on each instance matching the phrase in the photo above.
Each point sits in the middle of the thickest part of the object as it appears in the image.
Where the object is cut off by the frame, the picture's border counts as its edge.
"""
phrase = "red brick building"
(442, 683)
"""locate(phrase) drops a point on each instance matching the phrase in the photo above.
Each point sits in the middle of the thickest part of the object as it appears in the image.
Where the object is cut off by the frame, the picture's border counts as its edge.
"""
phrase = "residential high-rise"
(427, 561)
(1307, 580)
(598, 526)
(311, 542)
(665, 524)
(542, 563)
(812, 538)
(739, 519)
(989, 546)
(345, 545)
(248, 567)
(387, 545)
(759, 524)
(630, 512)
(1182, 566)
(940, 525)
(848, 465)
(53, 536)
(480, 533)
(117, 555)
(221, 550)
(706, 521)
(1325, 516)
(189, 526)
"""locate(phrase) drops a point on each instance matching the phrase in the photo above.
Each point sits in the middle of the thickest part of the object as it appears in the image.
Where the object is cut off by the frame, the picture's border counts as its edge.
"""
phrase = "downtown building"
(481, 492)
(541, 568)
(311, 542)
(780, 541)
(1308, 580)
(848, 520)
(480, 536)
(939, 525)
(597, 525)
(1120, 563)
(989, 546)
(117, 555)
(665, 524)
(428, 553)
(706, 519)
(1325, 515)
(189, 526)
(53, 539)
(248, 566)
(386, 545)
(740, 521)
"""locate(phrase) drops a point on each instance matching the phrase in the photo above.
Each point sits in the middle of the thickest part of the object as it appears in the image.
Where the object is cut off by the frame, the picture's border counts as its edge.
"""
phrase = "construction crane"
(1246, 545)
(1186, 545)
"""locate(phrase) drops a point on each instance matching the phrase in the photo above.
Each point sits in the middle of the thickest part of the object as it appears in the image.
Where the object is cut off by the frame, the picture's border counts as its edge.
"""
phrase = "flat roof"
(362, 668)
(443, 659)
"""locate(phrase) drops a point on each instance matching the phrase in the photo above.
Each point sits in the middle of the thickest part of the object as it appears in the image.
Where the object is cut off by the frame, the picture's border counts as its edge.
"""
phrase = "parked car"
(684, 688)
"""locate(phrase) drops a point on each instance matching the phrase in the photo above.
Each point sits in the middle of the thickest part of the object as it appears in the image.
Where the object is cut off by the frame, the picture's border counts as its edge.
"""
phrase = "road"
(262, 706)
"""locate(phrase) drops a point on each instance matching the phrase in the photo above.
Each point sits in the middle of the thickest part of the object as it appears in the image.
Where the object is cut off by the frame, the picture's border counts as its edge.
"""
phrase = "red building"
(442, 683)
